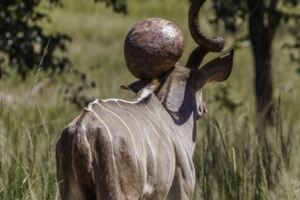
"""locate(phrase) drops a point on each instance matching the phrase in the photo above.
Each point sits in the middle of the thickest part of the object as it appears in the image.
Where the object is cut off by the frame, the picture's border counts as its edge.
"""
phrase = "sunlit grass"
(234, 160)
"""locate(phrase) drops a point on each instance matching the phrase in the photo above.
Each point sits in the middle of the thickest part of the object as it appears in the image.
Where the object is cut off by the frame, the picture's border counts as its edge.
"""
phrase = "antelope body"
(125, 150)
(141, 149)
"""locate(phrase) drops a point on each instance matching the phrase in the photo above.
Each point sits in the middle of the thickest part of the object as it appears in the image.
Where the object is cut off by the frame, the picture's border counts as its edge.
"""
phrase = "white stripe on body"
(169, 140)
(170, 177)
(131, 115)
(73, 162)
(146, 92)
(128, 129)
(162, 121)
(171, 172)
(181, 147)
(83, 141)
(118, 101)
(89, 108)
(143, 143)
(154, 162)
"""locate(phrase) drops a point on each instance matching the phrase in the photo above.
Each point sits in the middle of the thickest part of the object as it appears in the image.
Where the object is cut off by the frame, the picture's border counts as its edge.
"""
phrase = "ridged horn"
(214, 44)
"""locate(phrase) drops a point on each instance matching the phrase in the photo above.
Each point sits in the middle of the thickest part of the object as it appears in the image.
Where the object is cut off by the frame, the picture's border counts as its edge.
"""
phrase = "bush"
(24, 43)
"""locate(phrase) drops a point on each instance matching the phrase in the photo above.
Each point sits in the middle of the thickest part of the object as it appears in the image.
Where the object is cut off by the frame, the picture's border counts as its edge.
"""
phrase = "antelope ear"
(217, 70)
(148, 90)
(136, 86)
(139, 85)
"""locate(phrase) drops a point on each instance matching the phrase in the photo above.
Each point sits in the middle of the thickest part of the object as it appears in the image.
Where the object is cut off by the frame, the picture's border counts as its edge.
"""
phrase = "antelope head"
(180, 90)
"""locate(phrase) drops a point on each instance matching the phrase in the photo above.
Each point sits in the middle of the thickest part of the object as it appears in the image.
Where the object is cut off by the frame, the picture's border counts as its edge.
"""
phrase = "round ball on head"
(152, 47)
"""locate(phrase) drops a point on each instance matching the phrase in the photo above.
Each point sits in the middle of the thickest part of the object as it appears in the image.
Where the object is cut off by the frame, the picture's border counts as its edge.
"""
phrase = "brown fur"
(143, 149)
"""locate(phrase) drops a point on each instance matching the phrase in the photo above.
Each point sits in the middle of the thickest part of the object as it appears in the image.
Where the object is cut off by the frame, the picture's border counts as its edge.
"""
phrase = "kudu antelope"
(142, 149)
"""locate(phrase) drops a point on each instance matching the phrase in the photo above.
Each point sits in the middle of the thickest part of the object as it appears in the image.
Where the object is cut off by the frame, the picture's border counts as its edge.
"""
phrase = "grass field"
(233, 159)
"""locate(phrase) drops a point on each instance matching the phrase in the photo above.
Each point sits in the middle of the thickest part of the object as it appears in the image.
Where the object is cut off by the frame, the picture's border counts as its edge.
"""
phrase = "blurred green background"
(232, 160)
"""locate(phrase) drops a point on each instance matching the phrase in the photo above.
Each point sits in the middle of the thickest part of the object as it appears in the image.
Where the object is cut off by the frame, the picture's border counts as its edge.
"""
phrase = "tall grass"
(28, 135)
(234, 158)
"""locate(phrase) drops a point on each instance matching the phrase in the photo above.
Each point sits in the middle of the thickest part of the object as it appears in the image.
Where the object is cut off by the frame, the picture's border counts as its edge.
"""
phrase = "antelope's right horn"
(214, 44)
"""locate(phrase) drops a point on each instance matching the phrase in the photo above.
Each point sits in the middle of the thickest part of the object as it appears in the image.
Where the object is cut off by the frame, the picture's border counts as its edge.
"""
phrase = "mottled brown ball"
(152, 47)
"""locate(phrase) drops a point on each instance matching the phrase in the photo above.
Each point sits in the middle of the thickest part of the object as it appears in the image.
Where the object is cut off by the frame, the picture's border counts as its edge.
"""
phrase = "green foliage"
(231, 158)
(295, 47)
(118, 5)
(74, 90)
(23, 41)
(261, 19)
(230, 11)
(235, 12)
(223, 97)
